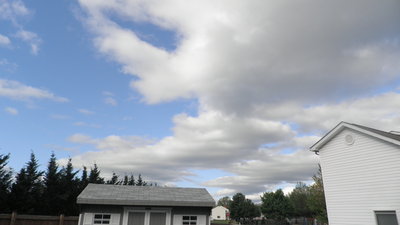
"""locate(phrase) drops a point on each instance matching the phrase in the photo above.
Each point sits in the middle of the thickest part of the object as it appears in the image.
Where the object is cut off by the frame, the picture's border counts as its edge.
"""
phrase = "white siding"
(360, 178)
(220, 212)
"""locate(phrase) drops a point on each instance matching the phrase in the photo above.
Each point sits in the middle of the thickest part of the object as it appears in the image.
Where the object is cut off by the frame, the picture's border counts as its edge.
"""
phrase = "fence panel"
(15, 219)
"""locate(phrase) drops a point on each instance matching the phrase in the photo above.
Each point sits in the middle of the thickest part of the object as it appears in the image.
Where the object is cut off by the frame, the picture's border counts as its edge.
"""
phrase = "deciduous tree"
(275, 205)
(317, 197)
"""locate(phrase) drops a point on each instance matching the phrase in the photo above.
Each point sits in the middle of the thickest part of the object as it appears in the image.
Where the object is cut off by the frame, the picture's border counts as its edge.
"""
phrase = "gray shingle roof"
(105, 194)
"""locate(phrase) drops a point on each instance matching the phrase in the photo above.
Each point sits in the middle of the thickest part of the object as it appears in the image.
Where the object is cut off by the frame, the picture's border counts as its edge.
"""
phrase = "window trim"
(385, 212)
(102, 220)
(190, 220)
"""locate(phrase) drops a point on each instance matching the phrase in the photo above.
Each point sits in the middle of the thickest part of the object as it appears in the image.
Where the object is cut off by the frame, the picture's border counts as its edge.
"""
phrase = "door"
(148, 217)
(157, 218)
(136, 218)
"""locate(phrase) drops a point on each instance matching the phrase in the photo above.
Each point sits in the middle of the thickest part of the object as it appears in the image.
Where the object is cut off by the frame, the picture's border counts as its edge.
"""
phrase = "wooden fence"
(15, 219)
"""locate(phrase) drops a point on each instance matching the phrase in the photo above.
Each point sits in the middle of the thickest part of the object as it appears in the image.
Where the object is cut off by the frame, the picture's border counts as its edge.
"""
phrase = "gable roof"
(383, 135)
(106, 194)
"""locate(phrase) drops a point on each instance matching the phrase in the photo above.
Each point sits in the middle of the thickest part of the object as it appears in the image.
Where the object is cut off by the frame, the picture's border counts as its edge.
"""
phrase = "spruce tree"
(84, 179)
(140, 181)
(131, 181)
(126, 180)
(52, 188)
(94, 176)
(27, 190)
(71, 189)
(5, 183)
(114, 179)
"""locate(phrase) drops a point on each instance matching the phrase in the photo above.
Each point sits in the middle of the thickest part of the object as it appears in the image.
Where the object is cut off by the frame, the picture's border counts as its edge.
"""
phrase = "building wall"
(203, 213)
(360, 178)
(219, 213)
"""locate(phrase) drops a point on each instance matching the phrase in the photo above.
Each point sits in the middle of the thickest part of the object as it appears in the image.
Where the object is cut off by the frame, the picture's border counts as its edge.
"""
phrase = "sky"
(223, 94)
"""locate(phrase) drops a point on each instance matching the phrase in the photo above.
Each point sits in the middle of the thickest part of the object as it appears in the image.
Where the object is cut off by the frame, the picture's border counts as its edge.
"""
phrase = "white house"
(361, 174)
(220, 213)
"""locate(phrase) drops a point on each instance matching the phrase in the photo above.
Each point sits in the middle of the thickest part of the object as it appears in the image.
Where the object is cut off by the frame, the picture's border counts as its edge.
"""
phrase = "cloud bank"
(270, 78)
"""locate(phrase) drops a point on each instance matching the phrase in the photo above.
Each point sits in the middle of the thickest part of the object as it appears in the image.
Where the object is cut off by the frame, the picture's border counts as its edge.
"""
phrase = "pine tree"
(126, 180)
(131, 181)
(71, 189)
(140, 181)
(52, 188)
(84, 179)
(26, 192)
(94, 176)
(5, 183)
(114, 179)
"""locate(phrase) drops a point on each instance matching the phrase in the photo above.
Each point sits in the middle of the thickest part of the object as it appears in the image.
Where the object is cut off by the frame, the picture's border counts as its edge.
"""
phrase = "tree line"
(53, 191)
(304, 201)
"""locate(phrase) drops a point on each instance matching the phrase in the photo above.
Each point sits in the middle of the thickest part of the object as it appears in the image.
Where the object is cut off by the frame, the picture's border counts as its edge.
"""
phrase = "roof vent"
(349, 139)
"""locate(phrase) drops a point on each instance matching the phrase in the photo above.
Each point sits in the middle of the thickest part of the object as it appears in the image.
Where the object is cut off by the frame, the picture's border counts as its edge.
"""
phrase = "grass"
(220, 222)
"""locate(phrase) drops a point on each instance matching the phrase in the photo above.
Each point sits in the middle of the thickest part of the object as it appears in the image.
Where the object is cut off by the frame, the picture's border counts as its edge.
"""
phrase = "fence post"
(61, 220)
(13, 217)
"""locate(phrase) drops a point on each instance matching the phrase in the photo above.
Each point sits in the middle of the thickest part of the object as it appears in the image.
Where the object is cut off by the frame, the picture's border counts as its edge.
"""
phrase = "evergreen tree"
(27, 189)
(275, 205)
(52, 188)
(71, 189)
(114, 179)
(84, 179)
(242, 208)
(94, 176)
(131, 181)
(5, 183)
(126, 180)
(236, 206)
(140, 181)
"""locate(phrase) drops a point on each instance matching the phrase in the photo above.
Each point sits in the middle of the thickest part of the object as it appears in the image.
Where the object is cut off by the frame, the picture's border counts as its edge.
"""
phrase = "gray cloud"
(265, 73)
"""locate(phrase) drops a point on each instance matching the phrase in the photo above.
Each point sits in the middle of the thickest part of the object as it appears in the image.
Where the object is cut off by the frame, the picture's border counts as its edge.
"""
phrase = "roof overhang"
(341, 126)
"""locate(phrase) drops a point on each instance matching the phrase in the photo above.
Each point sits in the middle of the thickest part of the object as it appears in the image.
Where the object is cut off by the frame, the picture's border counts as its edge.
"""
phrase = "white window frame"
(190, 219)
(102, 220)
(147, 212)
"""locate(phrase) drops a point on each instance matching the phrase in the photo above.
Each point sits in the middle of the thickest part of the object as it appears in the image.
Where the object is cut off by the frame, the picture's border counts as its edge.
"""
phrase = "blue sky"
(226, 95)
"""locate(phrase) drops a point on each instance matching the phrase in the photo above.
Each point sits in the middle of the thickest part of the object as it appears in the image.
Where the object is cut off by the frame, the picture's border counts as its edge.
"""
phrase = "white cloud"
(11, 111)
(11, 10)
(110, 101)
(7, 65)
(4, 40)
(270, 78)
(18, 91)
(31, 38)
(234, 55)
(85, 111)
(84, 124)
(59, 116)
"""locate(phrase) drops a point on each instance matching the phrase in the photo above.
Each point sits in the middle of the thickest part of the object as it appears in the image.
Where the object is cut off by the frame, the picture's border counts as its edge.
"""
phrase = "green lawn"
(220, 221)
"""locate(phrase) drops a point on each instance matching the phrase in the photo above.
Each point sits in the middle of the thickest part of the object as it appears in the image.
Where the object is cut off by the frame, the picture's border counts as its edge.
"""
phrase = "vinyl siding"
(360, 178)
(88, 211)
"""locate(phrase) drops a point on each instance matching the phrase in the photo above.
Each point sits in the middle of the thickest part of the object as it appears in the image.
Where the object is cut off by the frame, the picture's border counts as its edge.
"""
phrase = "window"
(386, 217)
(189, 220)
(102, 218)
